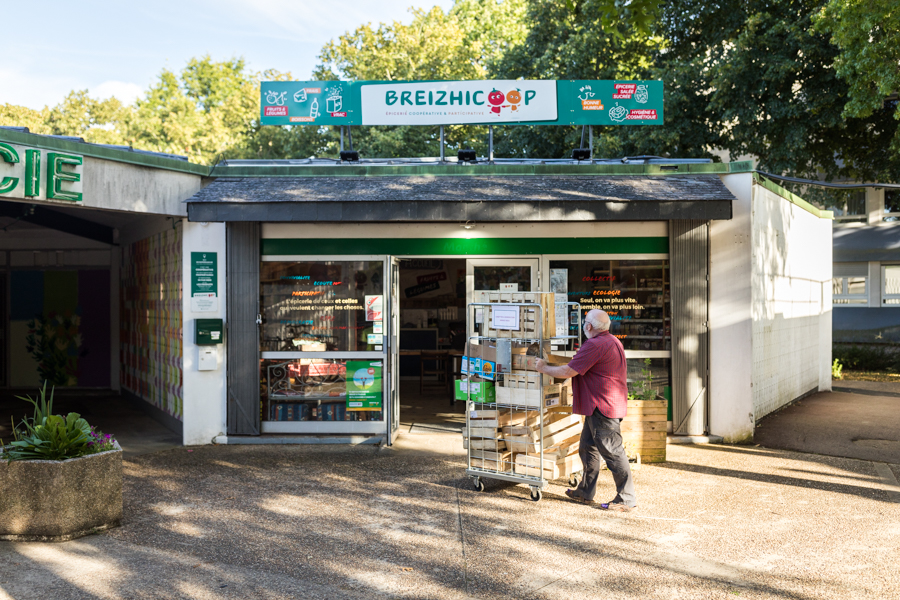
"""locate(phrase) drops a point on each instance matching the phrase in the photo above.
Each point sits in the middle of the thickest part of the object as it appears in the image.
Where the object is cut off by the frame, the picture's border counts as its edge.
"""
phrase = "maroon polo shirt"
(601, 380)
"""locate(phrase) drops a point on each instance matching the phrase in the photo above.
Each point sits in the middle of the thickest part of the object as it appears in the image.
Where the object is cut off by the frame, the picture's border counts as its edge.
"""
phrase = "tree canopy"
(808, 87)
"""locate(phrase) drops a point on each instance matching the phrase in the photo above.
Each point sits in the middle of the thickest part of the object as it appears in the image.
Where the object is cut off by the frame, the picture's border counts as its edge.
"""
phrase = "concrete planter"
(55, 501)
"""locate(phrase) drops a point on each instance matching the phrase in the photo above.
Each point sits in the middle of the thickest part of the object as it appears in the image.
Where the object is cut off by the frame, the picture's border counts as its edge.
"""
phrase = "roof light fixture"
(580, 154)
(467, 155)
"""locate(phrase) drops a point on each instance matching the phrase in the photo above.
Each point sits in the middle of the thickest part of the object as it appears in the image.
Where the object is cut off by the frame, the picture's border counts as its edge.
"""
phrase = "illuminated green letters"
(56, 176)
(8, 154)
(32, 172)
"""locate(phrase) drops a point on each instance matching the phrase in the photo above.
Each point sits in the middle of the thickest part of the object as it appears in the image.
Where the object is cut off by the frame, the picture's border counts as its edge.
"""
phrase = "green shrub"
(865, 358)
(53, 437)
(837, 370)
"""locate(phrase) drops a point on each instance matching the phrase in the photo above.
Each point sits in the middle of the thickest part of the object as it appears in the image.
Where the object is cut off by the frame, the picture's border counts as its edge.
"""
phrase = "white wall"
(121, 186)
(791, 302)
(204, 391)
(730, 381)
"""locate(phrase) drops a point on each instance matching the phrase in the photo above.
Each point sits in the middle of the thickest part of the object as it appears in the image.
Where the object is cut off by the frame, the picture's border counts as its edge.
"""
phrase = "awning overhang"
(462, 198)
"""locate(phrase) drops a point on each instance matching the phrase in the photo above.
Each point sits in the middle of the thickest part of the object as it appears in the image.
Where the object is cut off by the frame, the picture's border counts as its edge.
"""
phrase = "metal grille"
(242, 337)
(689, 256)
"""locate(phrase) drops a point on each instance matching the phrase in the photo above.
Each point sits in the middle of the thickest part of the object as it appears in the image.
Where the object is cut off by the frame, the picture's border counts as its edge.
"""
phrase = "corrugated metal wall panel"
(242, 283)
(689, 260)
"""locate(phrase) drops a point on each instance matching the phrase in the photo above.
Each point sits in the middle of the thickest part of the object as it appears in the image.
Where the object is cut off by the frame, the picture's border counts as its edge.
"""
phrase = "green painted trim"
(791, 197)
(456, 170)
(94, 151)
(462, 246)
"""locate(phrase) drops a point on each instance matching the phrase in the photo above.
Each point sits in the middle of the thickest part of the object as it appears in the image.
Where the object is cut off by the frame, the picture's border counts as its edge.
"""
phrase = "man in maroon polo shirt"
(601, 395)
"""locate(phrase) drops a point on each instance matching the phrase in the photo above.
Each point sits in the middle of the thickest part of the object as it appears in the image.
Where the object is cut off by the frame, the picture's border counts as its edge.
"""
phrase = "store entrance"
(433, 298)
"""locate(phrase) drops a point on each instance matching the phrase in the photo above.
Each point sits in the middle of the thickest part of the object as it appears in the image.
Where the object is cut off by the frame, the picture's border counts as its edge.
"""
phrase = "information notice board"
(204, 282)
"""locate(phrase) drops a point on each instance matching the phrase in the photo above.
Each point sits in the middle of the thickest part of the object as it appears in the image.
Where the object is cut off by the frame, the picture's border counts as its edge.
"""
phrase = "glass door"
(322, 344)
(485, 275)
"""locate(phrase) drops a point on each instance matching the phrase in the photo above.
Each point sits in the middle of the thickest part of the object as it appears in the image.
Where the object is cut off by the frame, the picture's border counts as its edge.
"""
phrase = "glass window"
(490, 278)
(891, 204)
(847, 205)
(849, 290)
(890, 277)
(318, 306)
(635, 294)
(322, 389)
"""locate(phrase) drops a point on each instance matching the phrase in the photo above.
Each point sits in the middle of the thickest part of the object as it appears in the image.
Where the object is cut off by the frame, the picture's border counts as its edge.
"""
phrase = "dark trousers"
(602, 437)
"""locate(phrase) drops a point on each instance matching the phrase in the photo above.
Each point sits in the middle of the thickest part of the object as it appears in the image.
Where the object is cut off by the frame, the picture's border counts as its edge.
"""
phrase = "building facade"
(285, 299)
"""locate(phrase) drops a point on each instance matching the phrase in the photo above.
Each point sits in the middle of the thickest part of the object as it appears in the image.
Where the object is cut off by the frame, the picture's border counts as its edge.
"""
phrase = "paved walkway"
(250, 522)
(862, 422)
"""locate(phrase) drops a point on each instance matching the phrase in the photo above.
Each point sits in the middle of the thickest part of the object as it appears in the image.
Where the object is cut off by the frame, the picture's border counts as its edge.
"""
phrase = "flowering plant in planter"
(61, 478)
(46, 436)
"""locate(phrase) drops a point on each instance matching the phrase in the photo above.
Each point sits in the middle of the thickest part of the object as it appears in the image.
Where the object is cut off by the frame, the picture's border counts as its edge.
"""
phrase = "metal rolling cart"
(501, 425)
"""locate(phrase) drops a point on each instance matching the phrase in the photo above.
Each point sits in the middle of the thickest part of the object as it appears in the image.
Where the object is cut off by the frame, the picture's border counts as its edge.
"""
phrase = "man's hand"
(560, 372)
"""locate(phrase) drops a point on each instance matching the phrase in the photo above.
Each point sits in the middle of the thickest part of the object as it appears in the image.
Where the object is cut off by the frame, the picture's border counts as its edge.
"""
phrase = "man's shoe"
(616, 507)
(573, 494)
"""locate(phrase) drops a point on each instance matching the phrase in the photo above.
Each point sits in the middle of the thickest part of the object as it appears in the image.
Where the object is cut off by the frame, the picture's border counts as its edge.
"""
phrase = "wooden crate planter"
(644, 430)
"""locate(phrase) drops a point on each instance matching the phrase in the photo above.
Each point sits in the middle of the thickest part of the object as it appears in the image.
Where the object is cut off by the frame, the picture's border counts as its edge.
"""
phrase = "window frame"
(850, 299)
(885, 296)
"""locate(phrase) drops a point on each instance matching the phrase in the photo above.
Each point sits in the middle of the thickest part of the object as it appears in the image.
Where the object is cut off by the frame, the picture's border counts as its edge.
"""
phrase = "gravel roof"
(466, 189)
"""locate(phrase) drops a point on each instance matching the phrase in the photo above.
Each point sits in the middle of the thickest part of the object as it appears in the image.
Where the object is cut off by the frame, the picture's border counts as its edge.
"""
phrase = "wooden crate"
(644, 429)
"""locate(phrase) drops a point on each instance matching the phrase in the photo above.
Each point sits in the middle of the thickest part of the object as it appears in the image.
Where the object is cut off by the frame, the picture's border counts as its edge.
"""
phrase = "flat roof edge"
(791, 197)
(95, 151)
(487, 170)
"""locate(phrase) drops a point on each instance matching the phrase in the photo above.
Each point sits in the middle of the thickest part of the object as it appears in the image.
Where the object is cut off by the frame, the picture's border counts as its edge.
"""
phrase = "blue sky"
(119, 47)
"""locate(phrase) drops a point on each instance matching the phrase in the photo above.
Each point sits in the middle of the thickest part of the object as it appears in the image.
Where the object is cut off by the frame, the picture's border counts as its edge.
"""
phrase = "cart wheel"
(479, 484)
(574, 479)
(536, 494)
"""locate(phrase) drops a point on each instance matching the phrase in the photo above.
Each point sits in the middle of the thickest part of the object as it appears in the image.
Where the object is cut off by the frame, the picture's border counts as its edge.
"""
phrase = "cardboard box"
(477, 391)
(525, 397)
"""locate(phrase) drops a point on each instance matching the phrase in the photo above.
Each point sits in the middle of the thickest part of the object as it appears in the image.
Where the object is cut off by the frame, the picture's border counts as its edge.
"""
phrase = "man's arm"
(560, 372)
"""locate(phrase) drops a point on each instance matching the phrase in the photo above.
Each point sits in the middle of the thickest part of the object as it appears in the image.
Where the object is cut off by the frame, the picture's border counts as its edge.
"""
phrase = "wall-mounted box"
(208, 359)
(208, 332)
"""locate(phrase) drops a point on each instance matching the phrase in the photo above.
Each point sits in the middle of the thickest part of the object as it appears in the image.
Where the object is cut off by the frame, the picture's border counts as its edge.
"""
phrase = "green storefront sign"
(21, 174)
(525, 102)
(364, 385)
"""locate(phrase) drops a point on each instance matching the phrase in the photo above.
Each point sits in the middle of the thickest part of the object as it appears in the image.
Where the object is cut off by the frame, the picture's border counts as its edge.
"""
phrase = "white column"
(873, 285)
(874, 206)
(204, 391)
(730, 333)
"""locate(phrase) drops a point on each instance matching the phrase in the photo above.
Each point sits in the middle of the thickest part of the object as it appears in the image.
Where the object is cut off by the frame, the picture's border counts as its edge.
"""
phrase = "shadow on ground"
(864, 424)
(366, 522)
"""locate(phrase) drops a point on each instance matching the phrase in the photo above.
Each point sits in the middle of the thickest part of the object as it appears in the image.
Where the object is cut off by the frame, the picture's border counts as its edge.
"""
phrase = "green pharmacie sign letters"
(21, 171)
(527, 102)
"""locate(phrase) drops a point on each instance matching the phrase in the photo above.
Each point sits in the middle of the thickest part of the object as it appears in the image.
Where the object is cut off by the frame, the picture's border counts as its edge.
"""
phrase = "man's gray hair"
(598, 321)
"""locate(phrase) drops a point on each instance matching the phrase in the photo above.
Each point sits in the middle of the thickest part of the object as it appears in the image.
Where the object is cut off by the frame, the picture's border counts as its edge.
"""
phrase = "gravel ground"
(363, 522)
